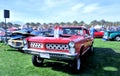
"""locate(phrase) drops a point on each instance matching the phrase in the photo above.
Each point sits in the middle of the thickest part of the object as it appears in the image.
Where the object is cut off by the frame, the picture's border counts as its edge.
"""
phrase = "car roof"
(74, 27)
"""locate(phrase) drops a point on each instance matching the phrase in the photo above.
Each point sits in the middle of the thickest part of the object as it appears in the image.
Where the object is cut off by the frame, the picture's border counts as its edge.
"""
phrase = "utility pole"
(6, 15)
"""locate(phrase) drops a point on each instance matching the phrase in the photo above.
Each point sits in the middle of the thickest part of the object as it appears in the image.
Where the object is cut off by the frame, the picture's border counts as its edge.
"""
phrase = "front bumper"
(50, 54)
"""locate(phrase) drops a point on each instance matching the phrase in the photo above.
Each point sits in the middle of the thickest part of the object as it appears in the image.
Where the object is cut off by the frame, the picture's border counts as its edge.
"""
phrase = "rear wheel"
(37, 61)
(117, 38)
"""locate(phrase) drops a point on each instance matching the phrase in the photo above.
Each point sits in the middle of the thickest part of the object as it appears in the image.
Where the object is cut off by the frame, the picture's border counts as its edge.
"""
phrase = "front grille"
(57, 46)
(57, 55)
(35, 45)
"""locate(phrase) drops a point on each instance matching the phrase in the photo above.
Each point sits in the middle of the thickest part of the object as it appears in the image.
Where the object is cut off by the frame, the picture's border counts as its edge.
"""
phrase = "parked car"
(112, 35)
(67, 44)
(16, 38)
(4, 35)
(98, 34)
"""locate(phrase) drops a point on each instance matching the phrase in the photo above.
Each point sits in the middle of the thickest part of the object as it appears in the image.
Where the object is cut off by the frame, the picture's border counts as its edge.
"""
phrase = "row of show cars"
(108, 35)
(62, 43)
(67, 44)
(112, 35)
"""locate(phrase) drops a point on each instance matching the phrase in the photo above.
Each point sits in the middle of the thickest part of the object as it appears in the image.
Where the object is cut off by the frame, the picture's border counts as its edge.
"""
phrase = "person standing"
(92, 30)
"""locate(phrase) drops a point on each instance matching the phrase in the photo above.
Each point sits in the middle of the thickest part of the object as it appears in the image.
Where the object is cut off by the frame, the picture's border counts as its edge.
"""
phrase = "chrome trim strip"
(85, 51)
(46, 51)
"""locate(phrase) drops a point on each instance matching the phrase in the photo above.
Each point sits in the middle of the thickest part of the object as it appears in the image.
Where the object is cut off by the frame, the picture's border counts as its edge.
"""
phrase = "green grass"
(104, 62)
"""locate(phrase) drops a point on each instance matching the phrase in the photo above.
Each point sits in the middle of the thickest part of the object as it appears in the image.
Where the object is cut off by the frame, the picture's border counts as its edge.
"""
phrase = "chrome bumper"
(52, 55)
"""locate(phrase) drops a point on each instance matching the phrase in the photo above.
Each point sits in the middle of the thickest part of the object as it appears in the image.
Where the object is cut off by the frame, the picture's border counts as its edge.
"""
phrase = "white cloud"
(59, 10)
(54, 3)
(90, 8)
(77, 7)
(1, 15)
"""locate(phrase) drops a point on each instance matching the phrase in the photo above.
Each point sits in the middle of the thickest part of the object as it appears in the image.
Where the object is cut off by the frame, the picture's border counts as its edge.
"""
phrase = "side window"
(86, 32)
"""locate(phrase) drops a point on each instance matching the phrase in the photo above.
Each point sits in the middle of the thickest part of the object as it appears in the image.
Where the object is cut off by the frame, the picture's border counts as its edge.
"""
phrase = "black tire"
(76, 65)
(91, 49)
(37, 61)
(117, 38)
(20, 50)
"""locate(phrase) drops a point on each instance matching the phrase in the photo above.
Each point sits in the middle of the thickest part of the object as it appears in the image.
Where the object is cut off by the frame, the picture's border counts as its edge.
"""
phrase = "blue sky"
(46, 11)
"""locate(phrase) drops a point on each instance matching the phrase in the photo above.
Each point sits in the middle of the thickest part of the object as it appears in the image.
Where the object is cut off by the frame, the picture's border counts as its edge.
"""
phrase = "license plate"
(44, 55)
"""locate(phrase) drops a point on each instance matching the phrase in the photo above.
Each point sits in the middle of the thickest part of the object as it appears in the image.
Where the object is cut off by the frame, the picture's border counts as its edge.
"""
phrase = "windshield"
(73, 31)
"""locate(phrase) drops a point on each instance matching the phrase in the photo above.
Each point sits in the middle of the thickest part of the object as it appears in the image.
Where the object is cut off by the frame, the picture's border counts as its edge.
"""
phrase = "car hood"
(17, 37)
(55, 40)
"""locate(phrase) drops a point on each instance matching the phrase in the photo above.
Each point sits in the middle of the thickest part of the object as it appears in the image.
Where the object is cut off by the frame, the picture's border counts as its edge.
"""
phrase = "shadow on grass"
(12, 49)
(104, 62)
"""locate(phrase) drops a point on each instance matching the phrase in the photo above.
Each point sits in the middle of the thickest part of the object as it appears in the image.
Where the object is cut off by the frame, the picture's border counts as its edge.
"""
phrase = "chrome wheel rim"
(78, 64)
(38, 60)
(117, 38)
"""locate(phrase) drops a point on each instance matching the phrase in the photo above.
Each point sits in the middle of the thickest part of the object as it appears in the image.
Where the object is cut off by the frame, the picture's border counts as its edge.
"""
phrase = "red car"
(67, 44)
(98, 34)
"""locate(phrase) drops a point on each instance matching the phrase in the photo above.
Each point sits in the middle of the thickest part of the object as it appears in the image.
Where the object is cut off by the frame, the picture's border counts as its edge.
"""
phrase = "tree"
(56, 23)
(51, 24)
(27, 24)
(9, 24)
(69, 23)
(38, 24)
(102, 22)
(33, 24)
(17, 25)
(75, 22)
(2, 24)
(82, 23)
(62, 23)
(93, 23)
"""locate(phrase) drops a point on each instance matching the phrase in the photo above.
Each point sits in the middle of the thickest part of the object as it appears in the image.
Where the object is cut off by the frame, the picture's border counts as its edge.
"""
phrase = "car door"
(86, 39)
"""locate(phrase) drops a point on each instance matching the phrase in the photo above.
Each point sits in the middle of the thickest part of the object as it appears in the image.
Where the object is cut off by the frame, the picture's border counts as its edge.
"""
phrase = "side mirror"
(86, 35)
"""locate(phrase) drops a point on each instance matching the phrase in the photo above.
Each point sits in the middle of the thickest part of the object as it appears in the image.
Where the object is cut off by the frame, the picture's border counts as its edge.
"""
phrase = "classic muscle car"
(112, 35)
(16, 38)
(67, 44)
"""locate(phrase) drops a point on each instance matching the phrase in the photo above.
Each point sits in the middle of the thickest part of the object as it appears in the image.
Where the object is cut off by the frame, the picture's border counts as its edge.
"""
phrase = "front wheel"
(91, 49)
(117, 38)
(76, 64)
(20, 50)
(37, 61)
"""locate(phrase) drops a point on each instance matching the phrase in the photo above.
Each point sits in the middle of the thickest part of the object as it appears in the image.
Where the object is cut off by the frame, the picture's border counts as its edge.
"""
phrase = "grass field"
(104, 62)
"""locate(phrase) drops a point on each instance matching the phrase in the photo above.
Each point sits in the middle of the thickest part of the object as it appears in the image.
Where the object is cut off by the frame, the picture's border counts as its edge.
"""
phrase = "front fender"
(113, 35)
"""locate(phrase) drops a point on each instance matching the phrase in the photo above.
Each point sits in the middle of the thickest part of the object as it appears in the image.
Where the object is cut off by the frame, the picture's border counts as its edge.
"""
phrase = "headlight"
(25, 41)
(72, 50)
(10, 42)
(71, 44)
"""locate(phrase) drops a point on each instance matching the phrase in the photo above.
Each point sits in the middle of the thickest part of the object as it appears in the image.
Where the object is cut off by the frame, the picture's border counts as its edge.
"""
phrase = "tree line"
(76, 23)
